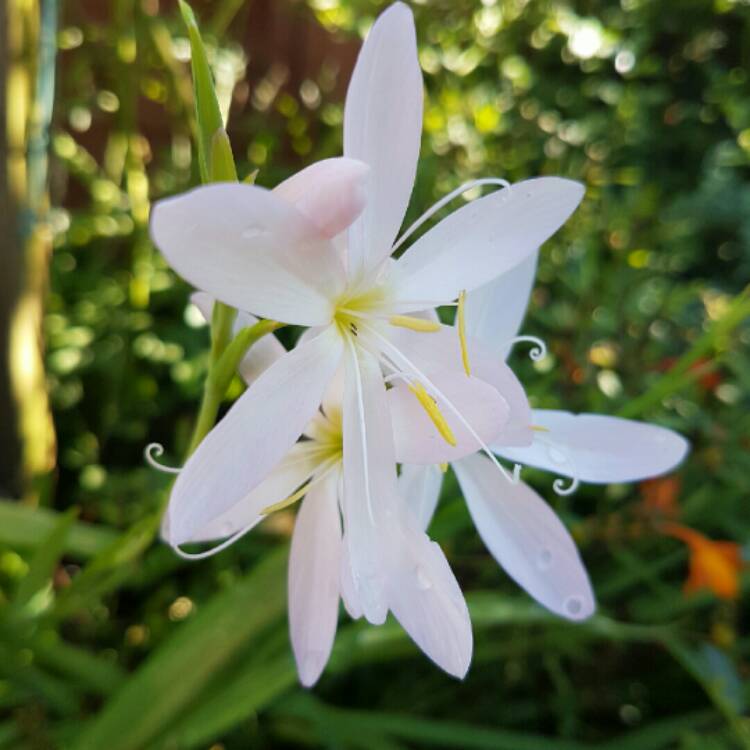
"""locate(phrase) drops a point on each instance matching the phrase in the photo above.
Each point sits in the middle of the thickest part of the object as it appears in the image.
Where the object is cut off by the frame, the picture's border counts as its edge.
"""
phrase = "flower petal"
(293, 470)
(495, 311)
(346, 584)
(486, 238)
(416, 437)
(261, 355)
(425, 598)
(259, 429)
(250, 249)
(526, 538)
(314, 561)
(369, 477)
(330, 193)
(599, 449)
(420, 487)
(440, 351)
(383, 127)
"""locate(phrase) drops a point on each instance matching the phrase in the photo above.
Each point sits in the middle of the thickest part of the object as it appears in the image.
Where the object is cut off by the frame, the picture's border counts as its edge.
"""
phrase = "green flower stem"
(682, 374)
(223, 364)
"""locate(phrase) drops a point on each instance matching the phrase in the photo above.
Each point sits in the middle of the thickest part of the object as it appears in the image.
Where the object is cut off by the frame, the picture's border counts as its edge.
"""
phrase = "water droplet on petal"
(556, 455)
(253, 232)
(573, 606)
(544, 561)
(423, 582)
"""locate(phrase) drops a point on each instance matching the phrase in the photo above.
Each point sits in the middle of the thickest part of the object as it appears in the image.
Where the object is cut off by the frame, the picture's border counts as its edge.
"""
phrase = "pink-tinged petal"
(438, 352)
(330, 193)
(484, 239)
(416, 437)
(495, 311)
(259, 429)
(346, 584)
(369, 478)
(293, 470)
(250, 249)
(526, 538)
(261, 355)
(383, 127)
(420, 487)
(425, 598)
(314, 561)
(598, 449)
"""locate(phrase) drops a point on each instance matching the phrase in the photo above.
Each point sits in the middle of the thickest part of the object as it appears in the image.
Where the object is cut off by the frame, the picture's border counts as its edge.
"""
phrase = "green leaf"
(108, 568)
(222, 161)
(207, 110)
(24, 526)
(176, 673)
(46, 558)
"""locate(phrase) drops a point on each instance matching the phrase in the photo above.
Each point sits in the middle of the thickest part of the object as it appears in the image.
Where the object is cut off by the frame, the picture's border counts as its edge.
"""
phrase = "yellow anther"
(538, 428)
(286, 502)
(433, 412)
(443, 467)
(461, 319)
(415, 324)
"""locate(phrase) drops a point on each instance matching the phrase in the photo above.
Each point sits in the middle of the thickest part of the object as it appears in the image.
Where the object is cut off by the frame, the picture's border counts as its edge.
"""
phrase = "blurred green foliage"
(646, 102)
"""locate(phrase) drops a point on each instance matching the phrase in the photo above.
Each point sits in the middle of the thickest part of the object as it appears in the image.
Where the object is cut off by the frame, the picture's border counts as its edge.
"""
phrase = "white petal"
(425, 598)
(369, 478)
(526, 537)
(484, 239)
(259, 429)
(438, 352)
(330, 193)
(250, 249)
(420, 487)
(293, 470)
(382, 127)
(599, 449)
(261, 355)
(495, 311)
(416, 437)
(346, 583)
(314, 580)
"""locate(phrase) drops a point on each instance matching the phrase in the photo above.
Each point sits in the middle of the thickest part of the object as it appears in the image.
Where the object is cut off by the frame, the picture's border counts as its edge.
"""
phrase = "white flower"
(519, 529)
(252, 249)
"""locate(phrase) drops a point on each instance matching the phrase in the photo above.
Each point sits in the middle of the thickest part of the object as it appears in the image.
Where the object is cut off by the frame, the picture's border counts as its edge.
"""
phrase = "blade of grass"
(176, 673)
(24, 526)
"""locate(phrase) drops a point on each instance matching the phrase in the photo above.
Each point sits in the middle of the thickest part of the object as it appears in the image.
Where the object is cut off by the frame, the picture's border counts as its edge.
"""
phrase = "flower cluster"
(376, 382)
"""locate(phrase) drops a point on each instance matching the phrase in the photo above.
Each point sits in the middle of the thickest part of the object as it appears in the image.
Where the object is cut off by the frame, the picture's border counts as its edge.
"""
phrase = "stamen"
(287, 501)
(157, 449)
(461, 319)
(443, 467)
(414, 324)
(433, 412)
(444, 201)
(393, 354)
(537, 352)
(559, 486)
(539, 428)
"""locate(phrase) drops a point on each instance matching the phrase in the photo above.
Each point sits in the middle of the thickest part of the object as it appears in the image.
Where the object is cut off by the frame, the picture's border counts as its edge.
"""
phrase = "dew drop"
(573, 606)
(423, 582)
(253, 232)
(556, 455)
(544, 561)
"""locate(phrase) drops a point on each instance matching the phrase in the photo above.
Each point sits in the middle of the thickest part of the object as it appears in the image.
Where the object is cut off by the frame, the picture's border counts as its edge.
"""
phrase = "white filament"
(537, 352)
(430, 212)
(153, 450)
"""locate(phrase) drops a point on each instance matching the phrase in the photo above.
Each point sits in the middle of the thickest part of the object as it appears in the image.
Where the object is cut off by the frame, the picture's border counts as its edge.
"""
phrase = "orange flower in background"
(660, 496)
(714, 565)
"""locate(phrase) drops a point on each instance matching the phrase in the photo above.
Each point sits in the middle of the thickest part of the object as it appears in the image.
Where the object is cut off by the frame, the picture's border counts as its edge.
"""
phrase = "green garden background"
(108, 641)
